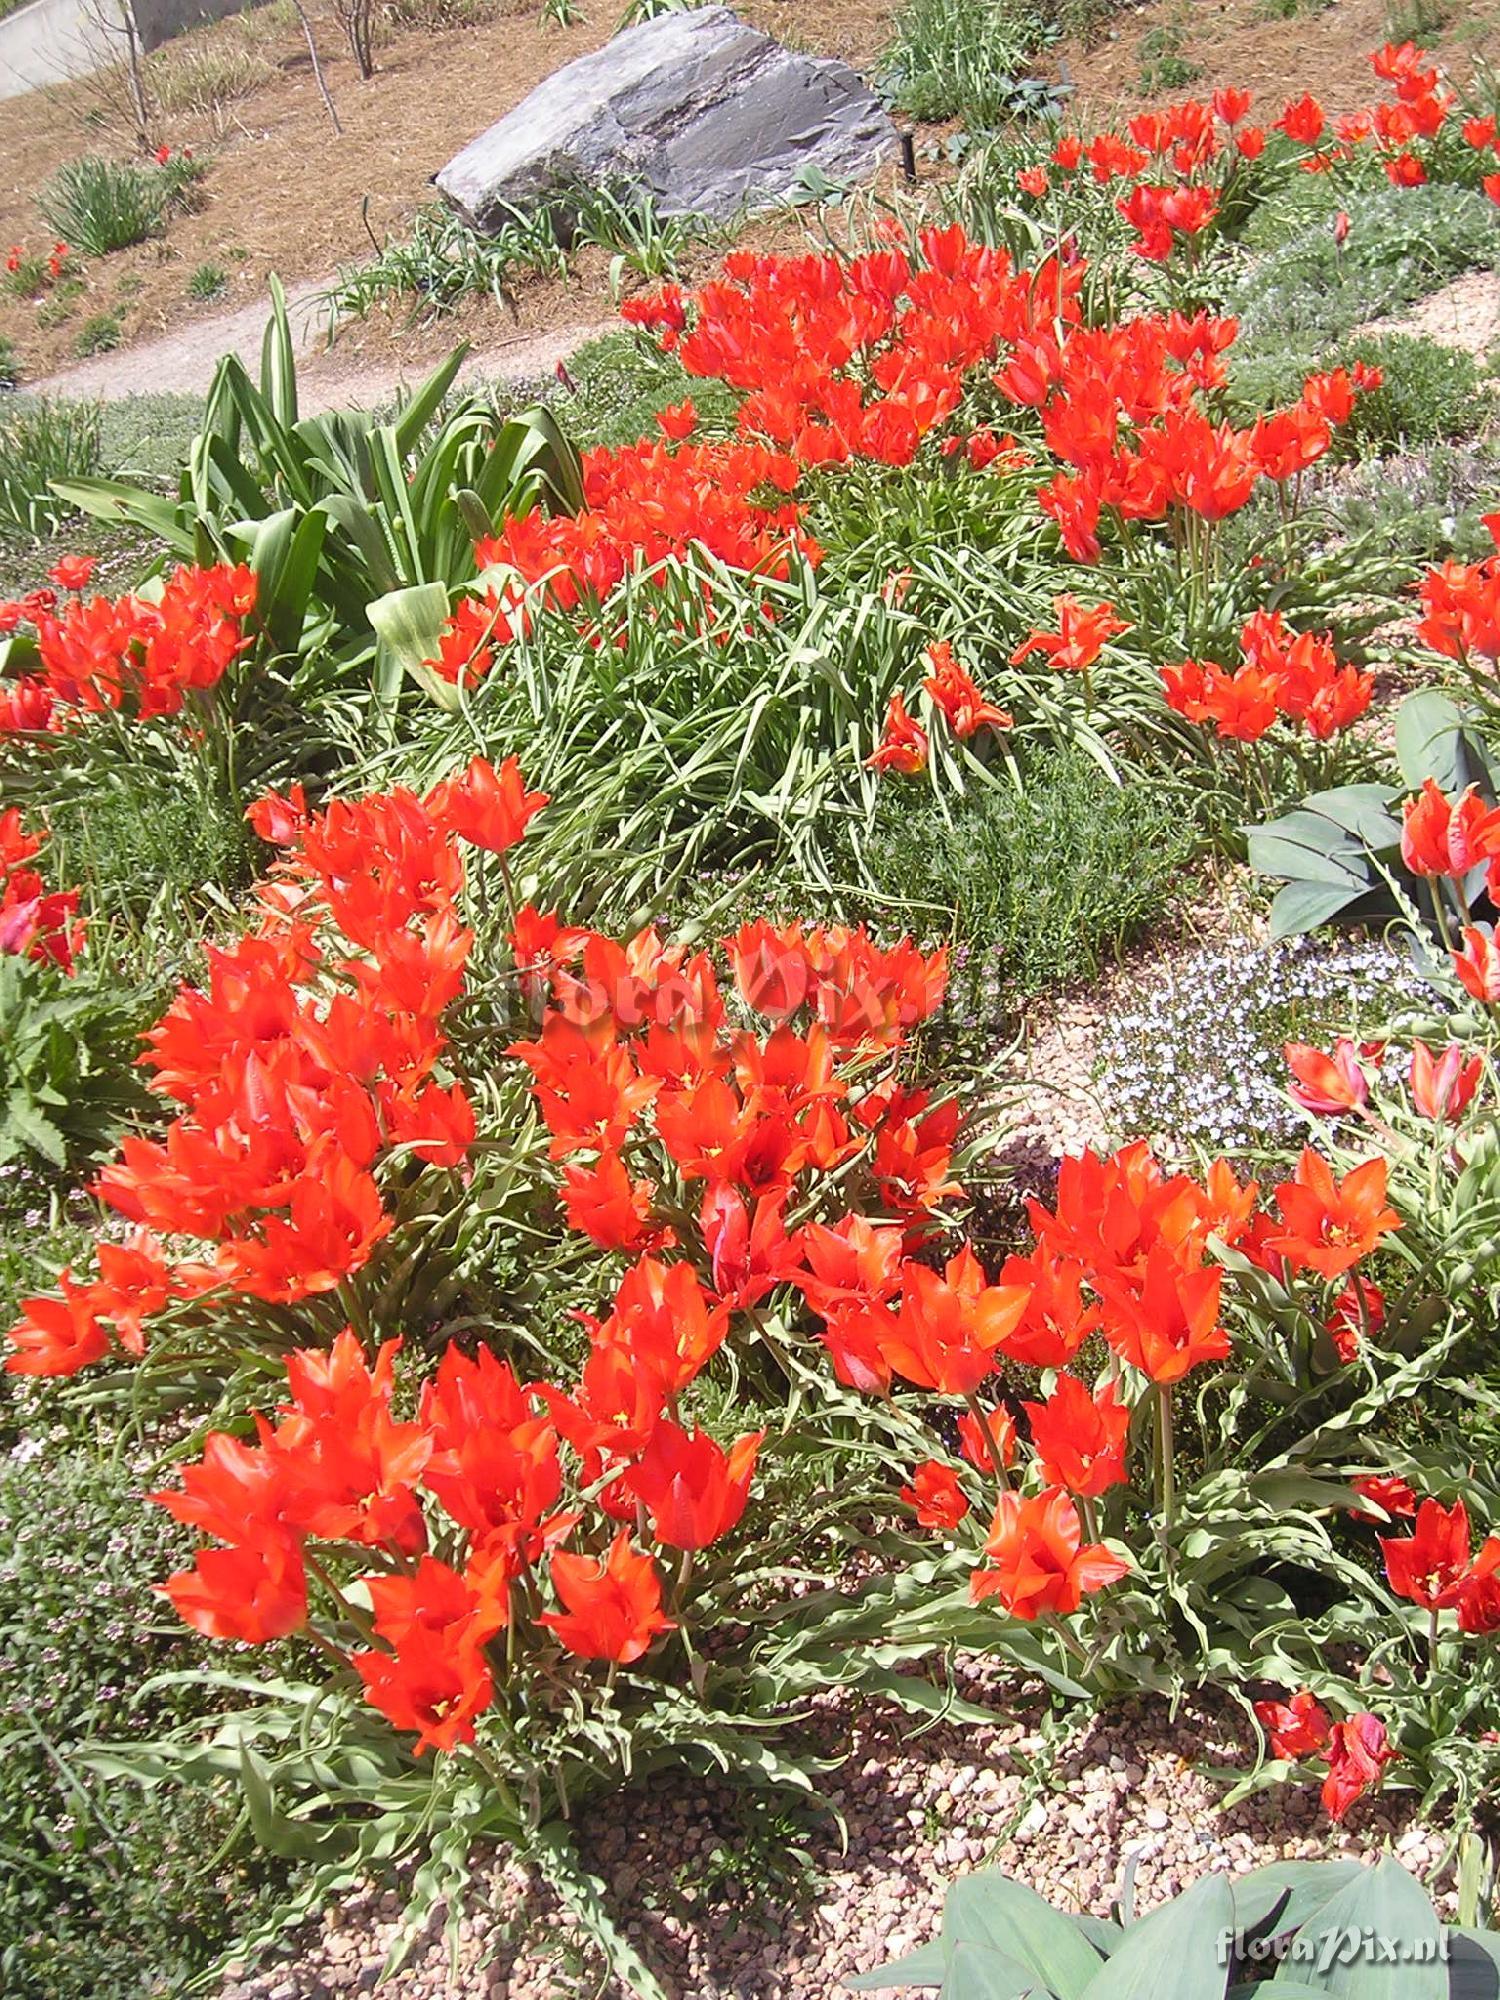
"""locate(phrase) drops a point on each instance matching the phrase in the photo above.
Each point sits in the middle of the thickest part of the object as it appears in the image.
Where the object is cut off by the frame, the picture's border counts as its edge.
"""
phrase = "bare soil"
(1248, 44)
(283, 193)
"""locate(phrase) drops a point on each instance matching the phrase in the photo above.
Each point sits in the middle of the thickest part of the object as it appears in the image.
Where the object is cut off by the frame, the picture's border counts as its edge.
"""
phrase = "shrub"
(1429, 392)
(10, 365)
(1416, 506)
(68, 1083)
(1403, 243)
(102, 333)
(41, 442)
(99, 205)
(106, 1891)
(1053, 880)
(963, 59)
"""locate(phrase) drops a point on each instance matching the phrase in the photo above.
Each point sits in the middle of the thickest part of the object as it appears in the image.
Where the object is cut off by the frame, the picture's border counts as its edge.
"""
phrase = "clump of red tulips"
(35, 922)
(140, 655)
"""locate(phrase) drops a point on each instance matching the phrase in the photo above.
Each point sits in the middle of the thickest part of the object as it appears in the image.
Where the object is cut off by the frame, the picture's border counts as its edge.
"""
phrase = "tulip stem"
(1168, 1467)
(485, 1759)
(1433, 1616)
(1438, 911)
(510, 894)
(976, 1411)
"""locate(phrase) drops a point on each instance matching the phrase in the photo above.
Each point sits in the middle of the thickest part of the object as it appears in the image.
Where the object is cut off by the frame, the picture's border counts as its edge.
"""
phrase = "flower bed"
(556, 1257)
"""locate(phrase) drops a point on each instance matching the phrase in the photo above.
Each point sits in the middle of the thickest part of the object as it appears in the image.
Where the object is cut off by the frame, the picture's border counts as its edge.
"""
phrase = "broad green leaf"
(1473, 1963)
(1307, 906)
(284, 553)
(1434, 740)
(118, 500)
(919, 1968)
(278, 360)
(1176, 1953)
(975, 1972)
(992, 1909)
(1284, 1895)
(408, 628)
(414, 415)
(1383, 1903)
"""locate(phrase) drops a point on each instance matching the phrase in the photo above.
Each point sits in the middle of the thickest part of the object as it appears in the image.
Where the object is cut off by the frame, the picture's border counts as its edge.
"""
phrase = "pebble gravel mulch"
(724, 1909)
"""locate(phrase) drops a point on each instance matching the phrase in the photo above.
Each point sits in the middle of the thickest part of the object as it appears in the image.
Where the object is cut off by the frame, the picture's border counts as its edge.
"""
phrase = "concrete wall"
(47, 41)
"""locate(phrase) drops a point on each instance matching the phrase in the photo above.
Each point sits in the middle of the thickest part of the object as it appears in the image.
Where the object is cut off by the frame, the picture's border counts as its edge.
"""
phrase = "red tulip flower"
(1389, 1492)
(903, 742)
(1432, 1565)
(254, 1592)
(981, 1437)
(1358, 1753)
(935, 1495)
(612, 1606)
(1442, 1087)
(1329, 1225)
(1080, 638)
(1170, 1324)
(694, 1491)
(954, 691)
(1442, 836)
(1041, 1563)
(1079, 1438)
(72, 572)
(1297, 1729)
(951, 1329)
(486, 807)
(1478, 965)
(1303, 121)
(1327, 1084)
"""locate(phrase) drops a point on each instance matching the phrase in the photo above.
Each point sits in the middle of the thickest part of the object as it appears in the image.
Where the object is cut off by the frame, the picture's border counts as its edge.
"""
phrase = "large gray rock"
(700, 110)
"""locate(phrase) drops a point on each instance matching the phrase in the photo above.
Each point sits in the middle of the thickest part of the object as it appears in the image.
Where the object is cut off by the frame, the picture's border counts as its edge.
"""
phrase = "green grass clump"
(149, 835)
(966, 59)
(41, 441)
(208, 281)
(98, 205)
(1163, 65)
(101, 333)
(1052, 882)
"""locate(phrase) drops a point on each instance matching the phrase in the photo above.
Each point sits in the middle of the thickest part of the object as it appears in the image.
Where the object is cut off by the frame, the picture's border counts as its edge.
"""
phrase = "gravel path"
(725, 1910)
(328, 378)
(1464, 314)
